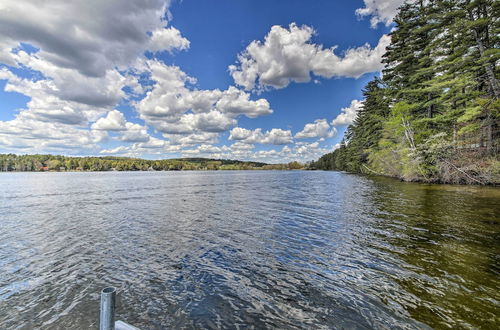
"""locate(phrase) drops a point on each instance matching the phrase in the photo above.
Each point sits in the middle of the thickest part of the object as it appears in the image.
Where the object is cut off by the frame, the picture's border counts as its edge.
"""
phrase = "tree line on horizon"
(434, 114)
(42, 163)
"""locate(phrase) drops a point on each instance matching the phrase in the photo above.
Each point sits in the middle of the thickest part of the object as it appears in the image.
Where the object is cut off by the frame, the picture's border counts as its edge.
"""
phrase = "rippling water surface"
(251, 249)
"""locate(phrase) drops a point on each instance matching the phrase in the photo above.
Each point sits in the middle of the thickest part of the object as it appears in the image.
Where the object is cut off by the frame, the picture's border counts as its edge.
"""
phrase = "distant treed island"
(434, 116)
(42, 163)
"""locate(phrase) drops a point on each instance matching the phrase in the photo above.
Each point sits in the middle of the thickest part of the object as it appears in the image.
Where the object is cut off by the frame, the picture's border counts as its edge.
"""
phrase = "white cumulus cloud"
(174, 107)
(320, 128)
(287, 55)
(167, 39)
(381, 11)
(89, 36)
(114, 121)
(348, 114)
(275, 136)
(34, 136)
(74, 60)
(135, 133)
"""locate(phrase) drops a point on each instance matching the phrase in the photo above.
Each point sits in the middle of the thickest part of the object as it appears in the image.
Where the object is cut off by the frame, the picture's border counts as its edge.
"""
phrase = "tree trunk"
(490, 72)
(455, 144)
(430, 107)
(489, 135)
(409, 134)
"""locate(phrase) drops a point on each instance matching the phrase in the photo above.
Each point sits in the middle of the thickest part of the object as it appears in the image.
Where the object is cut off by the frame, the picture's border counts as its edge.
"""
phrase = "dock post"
(107, 315)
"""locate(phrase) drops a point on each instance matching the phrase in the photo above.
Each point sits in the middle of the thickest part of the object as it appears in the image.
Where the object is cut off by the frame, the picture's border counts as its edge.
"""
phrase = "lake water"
(247, 249)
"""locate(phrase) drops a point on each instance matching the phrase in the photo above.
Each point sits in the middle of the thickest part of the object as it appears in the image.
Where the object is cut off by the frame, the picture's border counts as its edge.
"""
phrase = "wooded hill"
(434, 116)
(40, 163)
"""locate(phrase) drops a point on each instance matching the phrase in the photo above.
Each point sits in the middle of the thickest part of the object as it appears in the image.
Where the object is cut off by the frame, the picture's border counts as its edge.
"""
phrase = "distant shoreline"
(57, 163)
(194, 170)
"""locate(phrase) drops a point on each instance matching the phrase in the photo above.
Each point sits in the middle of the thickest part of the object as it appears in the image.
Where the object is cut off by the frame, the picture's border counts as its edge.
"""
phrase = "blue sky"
(271, 81)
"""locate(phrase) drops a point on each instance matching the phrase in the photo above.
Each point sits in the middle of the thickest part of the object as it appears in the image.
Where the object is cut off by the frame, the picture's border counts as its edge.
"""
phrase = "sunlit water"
(247, 249)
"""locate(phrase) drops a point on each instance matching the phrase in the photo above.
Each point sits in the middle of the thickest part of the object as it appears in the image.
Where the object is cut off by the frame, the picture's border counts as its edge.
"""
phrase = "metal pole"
(107, 317)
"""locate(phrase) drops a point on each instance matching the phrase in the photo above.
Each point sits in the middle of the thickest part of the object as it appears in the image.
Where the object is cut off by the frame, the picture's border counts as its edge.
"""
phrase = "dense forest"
(40, 163)
(434, 114)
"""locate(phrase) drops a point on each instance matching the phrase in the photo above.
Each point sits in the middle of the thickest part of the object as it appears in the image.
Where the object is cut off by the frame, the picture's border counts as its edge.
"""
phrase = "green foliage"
(439, 97)
(12, 162)
(295, 166)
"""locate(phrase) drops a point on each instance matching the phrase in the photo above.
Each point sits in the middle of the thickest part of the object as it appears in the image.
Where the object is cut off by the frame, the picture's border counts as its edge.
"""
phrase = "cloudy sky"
(260, 80)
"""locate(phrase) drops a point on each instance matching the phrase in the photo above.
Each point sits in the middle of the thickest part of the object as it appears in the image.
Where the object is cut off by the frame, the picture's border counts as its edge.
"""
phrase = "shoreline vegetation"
(57, 163)
(434, 116)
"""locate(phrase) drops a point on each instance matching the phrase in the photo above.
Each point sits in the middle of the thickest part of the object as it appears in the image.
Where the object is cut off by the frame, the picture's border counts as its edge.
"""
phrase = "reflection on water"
(266, 249)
